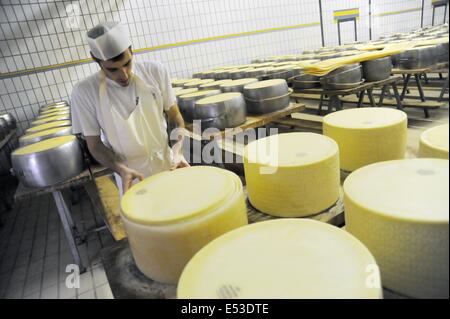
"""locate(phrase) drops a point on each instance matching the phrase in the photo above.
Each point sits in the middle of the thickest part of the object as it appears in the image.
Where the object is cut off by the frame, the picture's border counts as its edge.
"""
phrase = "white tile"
(104, 292)
(50, 292)
(87, 295)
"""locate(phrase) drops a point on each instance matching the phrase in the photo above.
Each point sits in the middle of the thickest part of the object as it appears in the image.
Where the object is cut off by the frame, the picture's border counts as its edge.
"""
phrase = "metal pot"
(10, 120)
(377, 70)
(342, 78)
(237, 85)
(266, 89)
(256, 73)
(305, 81)
(4, 127)
(227, 110)
(416, 58)
(44, 135)
(268, 105)
(48, 166)
(239, 74)
(186, 102)
(442, 52)
(51, 119)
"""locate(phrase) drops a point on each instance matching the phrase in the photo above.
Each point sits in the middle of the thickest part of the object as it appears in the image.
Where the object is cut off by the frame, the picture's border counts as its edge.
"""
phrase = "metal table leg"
(361, 99)
(397, 96)
(319, 111)
(69, 227)
(405, 86)
(419, 86)
(371, 99)
(444, 89)
(383, 93)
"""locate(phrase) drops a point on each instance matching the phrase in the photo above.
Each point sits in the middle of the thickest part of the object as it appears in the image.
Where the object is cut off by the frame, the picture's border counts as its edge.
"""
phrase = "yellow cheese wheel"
(215, 84)
(50, 111)
(43, 133)
(400, 211)
(223, 97)
(51, 119)
(239, 82)
(45, 116)
(292, 175)
(197, 83)
(434, 142)
(47, 126)
(185, 91)
(170, 216)
(285, 258)
(44, 145)
(367, 135)
(181, 82)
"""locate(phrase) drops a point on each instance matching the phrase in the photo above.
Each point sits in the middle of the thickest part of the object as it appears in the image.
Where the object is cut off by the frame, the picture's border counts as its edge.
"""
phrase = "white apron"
(141, 139)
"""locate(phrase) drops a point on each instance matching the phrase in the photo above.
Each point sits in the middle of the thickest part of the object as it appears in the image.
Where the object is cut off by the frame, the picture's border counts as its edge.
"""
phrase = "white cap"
(108, 40)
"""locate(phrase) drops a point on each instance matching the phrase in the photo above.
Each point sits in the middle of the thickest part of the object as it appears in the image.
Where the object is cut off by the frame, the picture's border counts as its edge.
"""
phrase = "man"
(123, 105)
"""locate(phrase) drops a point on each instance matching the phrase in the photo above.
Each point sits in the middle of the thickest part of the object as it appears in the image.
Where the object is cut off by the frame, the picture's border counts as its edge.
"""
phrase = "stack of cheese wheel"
(187, 102)
(213, 85)
(47, 126)
(221, 111)
(400, 211)
(237, 85)
(434, 142)
(293, 174)
(45, 134)
(284, 258)
(165, 232)
(267, 96)
(367, 135)
(53, 118)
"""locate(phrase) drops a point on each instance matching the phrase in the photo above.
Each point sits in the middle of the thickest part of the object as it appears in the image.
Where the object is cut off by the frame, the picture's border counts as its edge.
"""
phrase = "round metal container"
(239, 74)
(44, 135)
(186, 103)
(377, 70)
(226, 110)
(196, 83)
(51, 119)
(344, 77)
(184, 92)
(46, 126)
(213, 85)
(48, 162)
(256, 73)
(237, 85)
(442, 52)
(268, 105)
(266, 89)
(10, 120)
(417, 58)
(305, 81)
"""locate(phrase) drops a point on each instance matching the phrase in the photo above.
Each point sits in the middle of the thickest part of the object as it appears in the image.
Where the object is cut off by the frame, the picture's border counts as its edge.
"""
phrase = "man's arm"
(176, 119)
(107, 158)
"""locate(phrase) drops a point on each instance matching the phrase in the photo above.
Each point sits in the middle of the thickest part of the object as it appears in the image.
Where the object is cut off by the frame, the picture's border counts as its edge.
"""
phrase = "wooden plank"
(253, 121)
(23, 192)
(431, 69)
(105, 198)
(299, 123)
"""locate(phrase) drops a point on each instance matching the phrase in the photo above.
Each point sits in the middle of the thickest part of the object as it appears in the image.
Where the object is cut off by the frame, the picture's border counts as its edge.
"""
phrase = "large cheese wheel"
(57, 110)
(45, 134)
(45, 116)
(367, 135)
(292, 175)
(170, 216)
(400, 211)
(45, 145)
(434, 142)
(51, 119)
(47, 126)
(285, 258)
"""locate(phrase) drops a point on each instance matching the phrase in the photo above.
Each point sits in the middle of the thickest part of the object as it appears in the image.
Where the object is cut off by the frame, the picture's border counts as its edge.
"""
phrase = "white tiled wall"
(42, 33)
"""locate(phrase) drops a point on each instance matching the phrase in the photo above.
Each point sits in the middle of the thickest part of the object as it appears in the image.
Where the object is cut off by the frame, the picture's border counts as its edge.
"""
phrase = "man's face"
(119, 71)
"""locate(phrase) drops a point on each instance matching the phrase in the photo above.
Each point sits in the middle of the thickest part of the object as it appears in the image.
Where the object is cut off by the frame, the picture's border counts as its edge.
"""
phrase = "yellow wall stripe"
(160, 47)
(396, 12)
(345, 12)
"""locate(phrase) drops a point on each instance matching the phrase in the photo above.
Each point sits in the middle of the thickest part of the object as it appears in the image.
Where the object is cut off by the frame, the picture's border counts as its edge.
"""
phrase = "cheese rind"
(434, 142)
(285, 258)
(400, 211)
(164, 231)
(292, 175)
(367, 135)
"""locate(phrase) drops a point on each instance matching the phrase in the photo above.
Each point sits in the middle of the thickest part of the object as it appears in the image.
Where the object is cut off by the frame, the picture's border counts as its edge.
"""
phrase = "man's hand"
(128, 176)
(178, 158)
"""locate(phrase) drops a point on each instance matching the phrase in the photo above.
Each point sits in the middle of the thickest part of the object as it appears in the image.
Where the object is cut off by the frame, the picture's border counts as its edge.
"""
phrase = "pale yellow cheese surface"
(44, 145)
(185, 91)
(198, 93)
(367, 135)
(47, 126)
(239, 82)
(434, 142)
(288, 259)
(400, 211)
(264, 84)
(61, 113)
(215, 83)
(50, 111)
(51, 119)
(197, 83)
(200, 190)
(293, 174)
(218, 98)
(43, 133)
